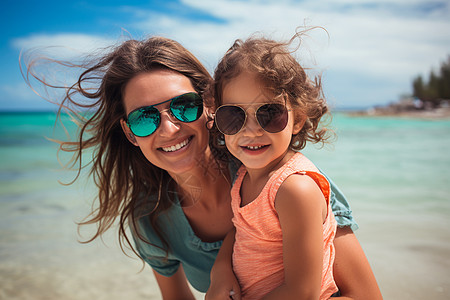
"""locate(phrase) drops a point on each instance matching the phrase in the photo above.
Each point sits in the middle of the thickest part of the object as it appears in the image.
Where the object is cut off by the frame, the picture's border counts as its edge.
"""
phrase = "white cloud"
(364, 40)
(382, 41)
(64, 45)
(389, 41)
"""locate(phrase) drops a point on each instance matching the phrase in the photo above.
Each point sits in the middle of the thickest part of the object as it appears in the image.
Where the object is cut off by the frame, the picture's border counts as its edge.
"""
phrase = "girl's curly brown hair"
(281, 75)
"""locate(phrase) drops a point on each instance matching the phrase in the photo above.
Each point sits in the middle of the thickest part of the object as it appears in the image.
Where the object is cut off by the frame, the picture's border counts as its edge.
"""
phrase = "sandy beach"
(412, 267)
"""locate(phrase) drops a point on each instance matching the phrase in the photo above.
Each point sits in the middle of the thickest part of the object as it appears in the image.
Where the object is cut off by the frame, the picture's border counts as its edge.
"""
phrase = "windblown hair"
(281, 75)
(120, 171)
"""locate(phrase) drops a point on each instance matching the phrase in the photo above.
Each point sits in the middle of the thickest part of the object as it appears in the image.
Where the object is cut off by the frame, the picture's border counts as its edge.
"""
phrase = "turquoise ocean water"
(395, 173)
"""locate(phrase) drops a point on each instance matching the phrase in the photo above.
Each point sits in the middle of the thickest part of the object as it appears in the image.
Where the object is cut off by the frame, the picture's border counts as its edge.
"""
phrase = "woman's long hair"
(119, 169)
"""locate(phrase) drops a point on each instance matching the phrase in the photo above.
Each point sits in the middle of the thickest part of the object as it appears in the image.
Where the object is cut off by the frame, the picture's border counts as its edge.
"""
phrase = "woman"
(156, 173)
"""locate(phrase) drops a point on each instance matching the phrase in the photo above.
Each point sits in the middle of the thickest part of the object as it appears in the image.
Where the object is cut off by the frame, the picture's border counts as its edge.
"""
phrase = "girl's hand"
(224, 286)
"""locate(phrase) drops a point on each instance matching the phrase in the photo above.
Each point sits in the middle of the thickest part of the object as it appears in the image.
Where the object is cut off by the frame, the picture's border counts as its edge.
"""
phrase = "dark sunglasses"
(145, 120)
(272, 117)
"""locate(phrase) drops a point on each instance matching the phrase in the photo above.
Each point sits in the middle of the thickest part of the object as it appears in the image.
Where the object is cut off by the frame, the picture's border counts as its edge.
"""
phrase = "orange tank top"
(258, 249)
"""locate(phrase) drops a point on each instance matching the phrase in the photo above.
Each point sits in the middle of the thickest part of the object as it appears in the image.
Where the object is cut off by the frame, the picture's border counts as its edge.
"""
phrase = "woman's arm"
(352, 272)
(174, 287)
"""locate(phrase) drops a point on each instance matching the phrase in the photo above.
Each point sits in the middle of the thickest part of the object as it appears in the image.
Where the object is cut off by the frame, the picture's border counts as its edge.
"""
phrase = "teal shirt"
(196, 256)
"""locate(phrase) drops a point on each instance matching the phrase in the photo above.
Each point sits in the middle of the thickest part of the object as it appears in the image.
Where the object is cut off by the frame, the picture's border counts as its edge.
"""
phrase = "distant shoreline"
(406, 108)
(434, 114)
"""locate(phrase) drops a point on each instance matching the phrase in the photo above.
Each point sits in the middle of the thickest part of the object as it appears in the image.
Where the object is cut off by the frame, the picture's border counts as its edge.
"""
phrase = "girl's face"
(252, 145)
(175, 146)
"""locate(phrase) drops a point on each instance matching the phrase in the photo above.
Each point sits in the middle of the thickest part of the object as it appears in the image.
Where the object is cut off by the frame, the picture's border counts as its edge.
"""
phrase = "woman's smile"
(178, 146)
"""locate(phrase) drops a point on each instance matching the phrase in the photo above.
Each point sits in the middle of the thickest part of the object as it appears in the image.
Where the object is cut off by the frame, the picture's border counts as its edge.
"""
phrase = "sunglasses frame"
(260, 104)
(197, 96)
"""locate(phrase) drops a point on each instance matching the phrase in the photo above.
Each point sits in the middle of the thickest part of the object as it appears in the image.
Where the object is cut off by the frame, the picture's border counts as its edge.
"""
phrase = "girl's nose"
(169, 124)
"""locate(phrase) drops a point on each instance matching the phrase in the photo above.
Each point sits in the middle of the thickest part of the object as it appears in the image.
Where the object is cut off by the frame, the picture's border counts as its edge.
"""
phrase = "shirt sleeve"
(155, 257)
(152, 253)
(341, 207)
(164, 266)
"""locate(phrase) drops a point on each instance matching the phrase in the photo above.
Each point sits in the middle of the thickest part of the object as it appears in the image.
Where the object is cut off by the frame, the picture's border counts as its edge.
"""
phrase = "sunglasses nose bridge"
(251, 125)
(169, 123)
(168, 114)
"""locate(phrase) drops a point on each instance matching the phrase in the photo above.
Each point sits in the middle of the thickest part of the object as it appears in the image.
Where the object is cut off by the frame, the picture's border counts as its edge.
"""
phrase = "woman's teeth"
(175, 147)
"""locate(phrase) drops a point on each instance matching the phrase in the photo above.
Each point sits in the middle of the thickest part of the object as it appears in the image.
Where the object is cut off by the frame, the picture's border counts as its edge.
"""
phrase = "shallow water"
(395, 173)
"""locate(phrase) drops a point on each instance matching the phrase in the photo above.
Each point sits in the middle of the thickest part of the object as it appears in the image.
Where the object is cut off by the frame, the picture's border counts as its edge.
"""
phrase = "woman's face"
(175, 146)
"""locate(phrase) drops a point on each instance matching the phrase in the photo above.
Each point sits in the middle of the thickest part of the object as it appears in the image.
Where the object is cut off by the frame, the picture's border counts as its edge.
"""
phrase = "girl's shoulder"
(298, 185)
(290, 177)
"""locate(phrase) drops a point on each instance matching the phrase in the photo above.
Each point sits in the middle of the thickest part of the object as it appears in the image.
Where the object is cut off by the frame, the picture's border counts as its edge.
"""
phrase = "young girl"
(284, 226)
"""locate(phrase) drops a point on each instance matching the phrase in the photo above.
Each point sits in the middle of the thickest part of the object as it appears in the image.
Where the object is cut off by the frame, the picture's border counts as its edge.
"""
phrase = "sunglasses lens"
(272, 117)
(144, 121)
(230, 119)
(187, 107)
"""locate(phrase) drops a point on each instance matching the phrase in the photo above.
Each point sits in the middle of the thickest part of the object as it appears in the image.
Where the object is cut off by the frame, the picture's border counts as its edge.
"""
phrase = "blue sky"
(372, 51)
